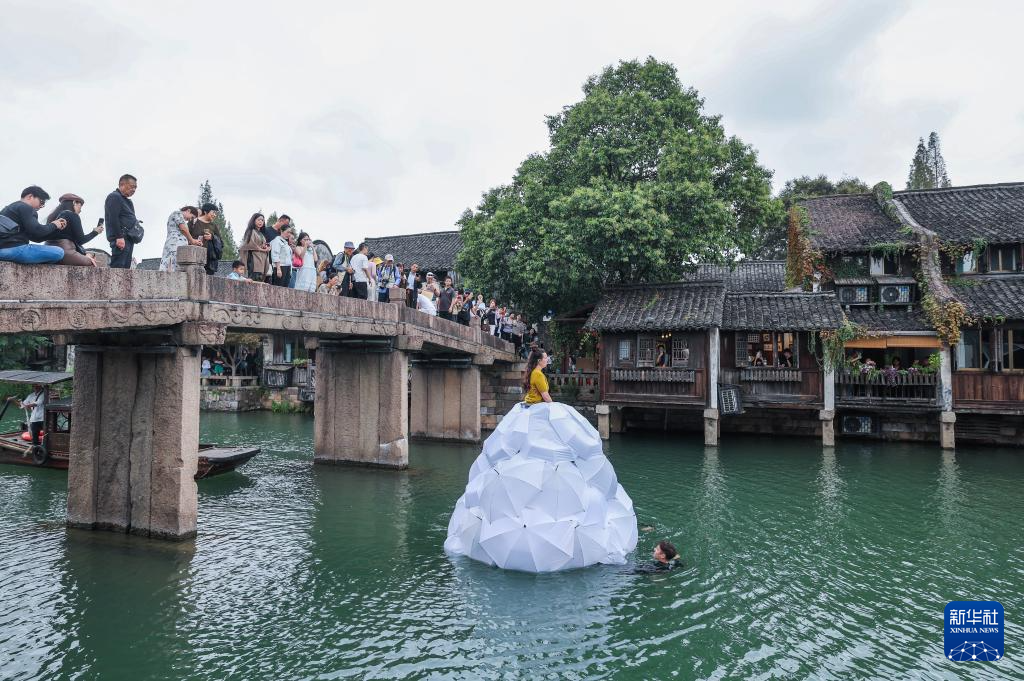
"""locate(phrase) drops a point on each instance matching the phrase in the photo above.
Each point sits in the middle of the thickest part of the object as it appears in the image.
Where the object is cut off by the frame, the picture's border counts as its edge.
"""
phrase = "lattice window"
(680, 352)
(625, 350)
(645, 352)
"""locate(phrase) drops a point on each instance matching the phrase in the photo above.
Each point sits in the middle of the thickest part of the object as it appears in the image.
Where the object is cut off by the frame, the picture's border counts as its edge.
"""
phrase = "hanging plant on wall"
(803, 261)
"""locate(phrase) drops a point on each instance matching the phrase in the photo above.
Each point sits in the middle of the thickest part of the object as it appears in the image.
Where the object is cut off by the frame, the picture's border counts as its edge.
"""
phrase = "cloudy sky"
(366, 119)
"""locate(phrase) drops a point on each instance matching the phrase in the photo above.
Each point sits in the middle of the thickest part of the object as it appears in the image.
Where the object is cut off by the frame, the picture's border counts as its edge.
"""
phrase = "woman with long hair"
(535, 383)
(305, 279)
(72, 238)
(255, 250)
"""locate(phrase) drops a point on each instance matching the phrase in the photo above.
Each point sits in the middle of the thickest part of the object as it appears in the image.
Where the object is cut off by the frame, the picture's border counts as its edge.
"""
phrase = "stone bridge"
(135, 420)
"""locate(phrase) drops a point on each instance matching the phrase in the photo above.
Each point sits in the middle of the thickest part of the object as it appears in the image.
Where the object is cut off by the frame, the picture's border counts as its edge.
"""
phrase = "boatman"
(36, 401)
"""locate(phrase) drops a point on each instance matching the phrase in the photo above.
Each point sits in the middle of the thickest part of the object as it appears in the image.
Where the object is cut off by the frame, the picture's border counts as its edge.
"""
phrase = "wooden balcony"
(584, 384)
(769, 375)
(227, 381)
(653, 375)
(914, 389)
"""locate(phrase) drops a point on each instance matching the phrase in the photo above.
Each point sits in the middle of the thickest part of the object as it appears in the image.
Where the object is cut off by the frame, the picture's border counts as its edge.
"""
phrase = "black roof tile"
(781, 311)
(993, 296)
(888, 319)
(746, 275)
(993, 212)
(431, 250)
(850, 222)
(659, 307)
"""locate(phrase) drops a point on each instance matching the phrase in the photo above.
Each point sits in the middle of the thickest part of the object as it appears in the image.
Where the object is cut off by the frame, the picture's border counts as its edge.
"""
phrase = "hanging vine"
(803, 262)
(833, 343)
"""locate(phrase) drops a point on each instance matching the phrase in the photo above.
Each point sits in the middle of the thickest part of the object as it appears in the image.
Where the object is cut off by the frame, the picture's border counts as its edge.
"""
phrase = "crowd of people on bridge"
(272, 252)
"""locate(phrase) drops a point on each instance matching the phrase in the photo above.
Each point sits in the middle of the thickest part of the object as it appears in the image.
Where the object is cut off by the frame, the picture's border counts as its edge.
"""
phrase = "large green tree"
(637, 183)
(227, 236)
(771, 241)
(928, 167)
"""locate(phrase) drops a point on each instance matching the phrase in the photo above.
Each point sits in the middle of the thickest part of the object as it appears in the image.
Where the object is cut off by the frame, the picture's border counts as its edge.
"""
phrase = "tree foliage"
(771, 242)
(928, 167)
(223, 226)
(16, 351)
(637, 183)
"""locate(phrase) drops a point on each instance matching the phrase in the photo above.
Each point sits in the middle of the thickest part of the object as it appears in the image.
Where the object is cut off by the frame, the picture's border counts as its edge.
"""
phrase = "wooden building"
(667, 349)
(873, 247)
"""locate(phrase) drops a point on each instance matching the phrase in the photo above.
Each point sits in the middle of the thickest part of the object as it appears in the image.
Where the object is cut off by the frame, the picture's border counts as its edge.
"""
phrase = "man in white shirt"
(36, 401)
(361, 272)
(424, 303)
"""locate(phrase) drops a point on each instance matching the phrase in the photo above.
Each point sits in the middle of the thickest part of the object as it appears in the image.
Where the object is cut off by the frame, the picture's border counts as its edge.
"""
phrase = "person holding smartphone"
(73, 237)
(19, 224)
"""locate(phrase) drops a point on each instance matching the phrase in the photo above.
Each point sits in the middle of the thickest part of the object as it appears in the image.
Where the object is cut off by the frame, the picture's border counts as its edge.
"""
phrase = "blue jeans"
(32, 254)
(291, 281)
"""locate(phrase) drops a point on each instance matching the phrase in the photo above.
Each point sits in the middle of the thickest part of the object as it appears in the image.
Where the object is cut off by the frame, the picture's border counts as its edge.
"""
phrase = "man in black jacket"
(19, 224)
(120, 218)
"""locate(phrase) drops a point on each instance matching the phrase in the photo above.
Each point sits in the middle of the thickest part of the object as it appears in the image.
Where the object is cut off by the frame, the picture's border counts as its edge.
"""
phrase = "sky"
(371, 119)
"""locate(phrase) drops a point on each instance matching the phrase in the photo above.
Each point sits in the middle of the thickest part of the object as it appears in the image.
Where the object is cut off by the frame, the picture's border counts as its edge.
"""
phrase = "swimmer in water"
(665, 556)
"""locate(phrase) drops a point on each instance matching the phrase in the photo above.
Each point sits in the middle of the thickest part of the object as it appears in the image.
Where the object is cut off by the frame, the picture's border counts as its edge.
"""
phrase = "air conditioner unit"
(853, 294)
(858, 425)
(895, 294)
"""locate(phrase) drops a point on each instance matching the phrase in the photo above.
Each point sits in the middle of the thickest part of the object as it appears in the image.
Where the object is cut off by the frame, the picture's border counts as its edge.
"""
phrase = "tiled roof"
(993, 213)
(431, 251)
(746, 275)
(850, 222)
(781, 311)
(993, 296)
(888, 319)
(659, 307)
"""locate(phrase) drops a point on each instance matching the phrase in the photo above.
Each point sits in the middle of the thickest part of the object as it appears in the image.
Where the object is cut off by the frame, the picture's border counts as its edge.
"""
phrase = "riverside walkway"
(135, 421)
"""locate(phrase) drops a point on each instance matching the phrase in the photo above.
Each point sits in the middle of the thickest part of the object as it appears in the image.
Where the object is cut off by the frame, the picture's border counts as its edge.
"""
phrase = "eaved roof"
(888, 318)
(993, 296)
(659, 307)
(850, 222)
(781, 311)
(430, 250)
(744, 276)
(991, 212)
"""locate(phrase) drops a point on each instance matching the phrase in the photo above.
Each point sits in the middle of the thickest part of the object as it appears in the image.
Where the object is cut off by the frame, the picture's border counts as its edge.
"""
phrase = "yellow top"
(538, 385)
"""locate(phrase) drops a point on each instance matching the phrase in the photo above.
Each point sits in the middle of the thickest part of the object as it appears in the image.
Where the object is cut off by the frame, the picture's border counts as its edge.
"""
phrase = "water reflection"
(950, 494)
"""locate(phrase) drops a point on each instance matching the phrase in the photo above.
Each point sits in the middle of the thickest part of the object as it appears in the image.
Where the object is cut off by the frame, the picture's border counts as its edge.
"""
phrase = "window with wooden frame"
(680, 351)
(625, 350)
(645, 351)
(1011, 349)
(974, 351)
(1002, 259)
(767, 348)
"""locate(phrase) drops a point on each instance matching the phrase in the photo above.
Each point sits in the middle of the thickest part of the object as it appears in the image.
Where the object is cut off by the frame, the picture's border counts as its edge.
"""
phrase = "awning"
(31, 377)
(895, 342)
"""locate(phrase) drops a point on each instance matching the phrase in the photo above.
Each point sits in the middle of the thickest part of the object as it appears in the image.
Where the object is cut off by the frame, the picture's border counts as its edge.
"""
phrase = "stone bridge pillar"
(361, 413)
(445, 401)
(135, 440)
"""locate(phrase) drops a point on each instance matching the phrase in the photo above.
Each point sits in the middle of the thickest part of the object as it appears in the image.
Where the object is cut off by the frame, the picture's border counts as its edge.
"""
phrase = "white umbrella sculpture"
(543, 497)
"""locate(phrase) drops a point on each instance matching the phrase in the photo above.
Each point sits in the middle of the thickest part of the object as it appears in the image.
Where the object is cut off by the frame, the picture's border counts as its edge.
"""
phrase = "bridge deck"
(75, 300)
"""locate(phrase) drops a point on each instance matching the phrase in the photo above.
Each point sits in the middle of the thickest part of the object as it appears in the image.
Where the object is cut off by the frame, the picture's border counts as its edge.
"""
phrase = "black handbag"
(135, 233)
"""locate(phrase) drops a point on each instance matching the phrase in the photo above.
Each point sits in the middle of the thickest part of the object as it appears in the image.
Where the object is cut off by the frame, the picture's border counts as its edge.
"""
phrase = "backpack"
(8, 227)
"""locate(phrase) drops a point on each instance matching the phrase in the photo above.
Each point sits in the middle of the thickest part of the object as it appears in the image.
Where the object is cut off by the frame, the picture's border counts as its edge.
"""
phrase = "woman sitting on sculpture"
(535, 383)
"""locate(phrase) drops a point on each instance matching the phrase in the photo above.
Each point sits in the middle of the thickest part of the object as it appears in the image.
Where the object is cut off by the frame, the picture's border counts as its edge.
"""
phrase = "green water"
(799, 564)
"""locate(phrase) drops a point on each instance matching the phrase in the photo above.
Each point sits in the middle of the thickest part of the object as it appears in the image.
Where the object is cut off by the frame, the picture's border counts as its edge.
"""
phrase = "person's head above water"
(665, 552)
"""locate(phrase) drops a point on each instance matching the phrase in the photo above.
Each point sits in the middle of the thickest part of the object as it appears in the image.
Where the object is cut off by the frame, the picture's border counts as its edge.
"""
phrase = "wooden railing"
(227, 381)
(858, 387)
(584, 383)
(770, 375)
(653, 375)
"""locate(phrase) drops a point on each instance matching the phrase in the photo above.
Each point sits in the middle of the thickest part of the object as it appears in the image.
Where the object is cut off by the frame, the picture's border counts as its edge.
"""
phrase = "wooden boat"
(56, 440)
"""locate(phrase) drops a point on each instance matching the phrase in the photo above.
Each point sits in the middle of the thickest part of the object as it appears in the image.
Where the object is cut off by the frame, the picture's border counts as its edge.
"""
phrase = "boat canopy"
(31, 377)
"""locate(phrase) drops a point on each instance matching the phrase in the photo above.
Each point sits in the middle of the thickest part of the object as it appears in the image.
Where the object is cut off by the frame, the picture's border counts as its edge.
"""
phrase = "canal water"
(798, 564)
